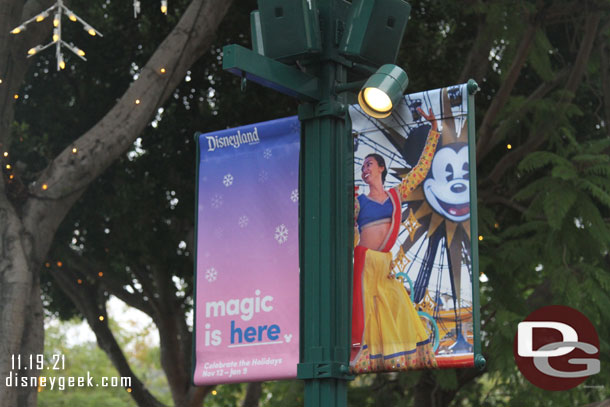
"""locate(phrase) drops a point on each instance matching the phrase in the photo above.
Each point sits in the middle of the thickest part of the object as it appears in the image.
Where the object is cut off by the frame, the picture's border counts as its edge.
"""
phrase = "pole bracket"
(324, 370)
(308, 111)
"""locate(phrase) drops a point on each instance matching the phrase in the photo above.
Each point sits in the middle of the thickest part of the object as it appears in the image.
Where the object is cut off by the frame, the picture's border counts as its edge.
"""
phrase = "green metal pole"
(326, 231)
(326, 214)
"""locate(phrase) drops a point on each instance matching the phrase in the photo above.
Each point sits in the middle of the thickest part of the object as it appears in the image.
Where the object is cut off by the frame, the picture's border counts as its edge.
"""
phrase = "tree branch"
(84, 297)
(477, 60)
(504, 201)
(253, 395)
(501, 98)
(69, 174)
(498, 134)
(90, 269)
(13, 55)
(538, 136)
(604, 51)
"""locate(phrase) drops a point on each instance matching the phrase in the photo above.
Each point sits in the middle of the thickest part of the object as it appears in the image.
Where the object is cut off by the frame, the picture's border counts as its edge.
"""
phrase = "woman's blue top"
(373, 211)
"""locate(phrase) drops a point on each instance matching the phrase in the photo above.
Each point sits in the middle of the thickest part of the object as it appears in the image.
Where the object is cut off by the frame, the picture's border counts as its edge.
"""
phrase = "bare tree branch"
(253, 395)
(538, 136)
(604, 51)
(501, 98)
(504, 201)
(69, 174)
(84, 297)
(477, 60)
(542, 91)
(13, 54)
(90, 269)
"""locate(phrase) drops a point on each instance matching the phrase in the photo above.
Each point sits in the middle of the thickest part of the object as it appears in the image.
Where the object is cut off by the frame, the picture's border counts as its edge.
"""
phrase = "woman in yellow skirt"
(387, 333)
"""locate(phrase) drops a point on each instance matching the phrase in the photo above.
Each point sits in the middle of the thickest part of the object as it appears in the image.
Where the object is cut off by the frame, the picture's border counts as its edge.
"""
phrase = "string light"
(45, 187)
(15, 96)
(214, 392)
(508, 146)
(40, 17)
(101, 318)
(137, 7)
(6, 154)
(79, 281)
(47, 264)
(129, 390)
(162, 70)
(137, 101)
(59, 9)
(8, 166)
(11, 176)
(480, 237)
(74, 150)
(59, 264)
(101, 274)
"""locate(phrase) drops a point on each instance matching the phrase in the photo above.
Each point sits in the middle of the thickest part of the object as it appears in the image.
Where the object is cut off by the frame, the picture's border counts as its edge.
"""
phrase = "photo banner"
(247, 264)
(420, 236)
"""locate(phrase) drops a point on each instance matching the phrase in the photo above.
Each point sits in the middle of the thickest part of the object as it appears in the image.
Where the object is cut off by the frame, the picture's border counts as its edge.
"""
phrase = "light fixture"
(59, 9)
(17, 30)
(40, 17)
(383, 90)
(34, 50)
(89, 30)
(136, 8)
(374, 30)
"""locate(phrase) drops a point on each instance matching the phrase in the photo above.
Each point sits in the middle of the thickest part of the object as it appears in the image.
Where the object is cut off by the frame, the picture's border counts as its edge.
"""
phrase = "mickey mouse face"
(448, 189)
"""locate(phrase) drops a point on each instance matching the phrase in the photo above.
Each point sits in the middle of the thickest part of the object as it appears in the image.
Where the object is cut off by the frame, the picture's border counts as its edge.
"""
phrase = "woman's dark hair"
(381, 163)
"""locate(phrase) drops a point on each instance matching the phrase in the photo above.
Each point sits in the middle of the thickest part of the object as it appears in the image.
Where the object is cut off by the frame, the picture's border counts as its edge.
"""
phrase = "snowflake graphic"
(263, 176)
(217, 201)
(211, 274)
(228, 180)
(294, 195)
(296, 126)
(267, 153)
(243, 221)
(281, 234)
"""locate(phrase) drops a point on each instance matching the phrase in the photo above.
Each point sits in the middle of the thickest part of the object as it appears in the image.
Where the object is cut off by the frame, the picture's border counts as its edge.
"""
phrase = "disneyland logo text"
(236, 140)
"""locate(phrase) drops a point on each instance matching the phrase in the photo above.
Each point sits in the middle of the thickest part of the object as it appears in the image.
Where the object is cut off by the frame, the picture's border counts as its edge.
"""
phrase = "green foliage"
(545, 221)
(81, 360)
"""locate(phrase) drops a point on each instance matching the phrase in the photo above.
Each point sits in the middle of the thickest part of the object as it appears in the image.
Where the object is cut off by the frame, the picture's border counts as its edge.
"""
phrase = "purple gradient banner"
(247, 272)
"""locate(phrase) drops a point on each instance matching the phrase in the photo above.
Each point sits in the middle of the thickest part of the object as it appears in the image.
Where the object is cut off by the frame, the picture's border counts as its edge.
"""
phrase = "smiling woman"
(387, 333)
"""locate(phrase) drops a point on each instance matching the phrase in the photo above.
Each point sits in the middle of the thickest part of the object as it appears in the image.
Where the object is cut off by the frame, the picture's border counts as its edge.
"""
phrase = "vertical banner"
(413, 262)
(247, 267)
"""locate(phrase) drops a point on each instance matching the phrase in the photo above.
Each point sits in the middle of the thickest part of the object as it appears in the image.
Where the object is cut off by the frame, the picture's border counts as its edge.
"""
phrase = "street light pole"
(326, 238)
(306, 48)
